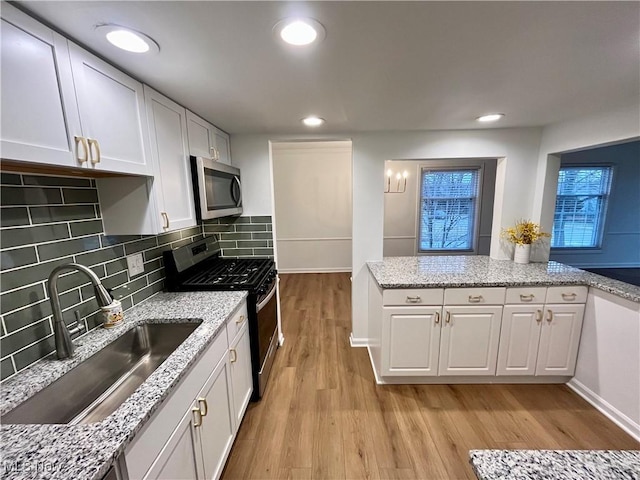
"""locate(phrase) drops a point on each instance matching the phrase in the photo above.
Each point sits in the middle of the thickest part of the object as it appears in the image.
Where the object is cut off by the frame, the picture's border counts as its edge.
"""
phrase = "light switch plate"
(135, 264)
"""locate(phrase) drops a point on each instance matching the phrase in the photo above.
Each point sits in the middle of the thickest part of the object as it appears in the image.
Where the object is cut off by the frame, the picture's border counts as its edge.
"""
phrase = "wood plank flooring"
(324, 417)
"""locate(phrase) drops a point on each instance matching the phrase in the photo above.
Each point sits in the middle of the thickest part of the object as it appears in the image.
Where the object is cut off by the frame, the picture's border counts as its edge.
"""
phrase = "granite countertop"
(88, 451)
(478, 270)
(556, 464)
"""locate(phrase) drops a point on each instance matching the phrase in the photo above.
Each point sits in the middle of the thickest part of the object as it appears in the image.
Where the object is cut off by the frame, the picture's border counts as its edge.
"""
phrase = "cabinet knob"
(569, 296)
(549, 316)
(234, 355)
(447, 319)
(240, 319)
(415, 299)
(94, 146)
(437, 317)
(538, 316)
(166, 220)
(475, 298)
(526, 298)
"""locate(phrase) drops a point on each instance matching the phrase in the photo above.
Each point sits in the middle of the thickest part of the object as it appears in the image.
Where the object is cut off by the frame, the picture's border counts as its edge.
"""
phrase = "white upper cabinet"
(205, 140)
(39, 112)
(112, 114)
(63, 106)
(169, 152)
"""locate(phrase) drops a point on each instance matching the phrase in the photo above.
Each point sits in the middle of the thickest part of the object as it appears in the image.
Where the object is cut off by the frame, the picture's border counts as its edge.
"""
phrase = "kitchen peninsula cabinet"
(206, 140)
(431, 327)
(63, 106)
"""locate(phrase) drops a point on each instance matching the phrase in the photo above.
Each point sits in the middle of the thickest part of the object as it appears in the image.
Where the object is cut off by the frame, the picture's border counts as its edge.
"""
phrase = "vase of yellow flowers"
(523, 235)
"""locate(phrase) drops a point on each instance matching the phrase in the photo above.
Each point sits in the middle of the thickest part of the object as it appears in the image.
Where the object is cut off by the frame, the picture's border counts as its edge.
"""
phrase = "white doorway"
(312, 206)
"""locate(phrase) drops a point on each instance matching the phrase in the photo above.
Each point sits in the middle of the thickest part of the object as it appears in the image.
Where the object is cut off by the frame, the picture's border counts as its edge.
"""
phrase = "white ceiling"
(382, 66)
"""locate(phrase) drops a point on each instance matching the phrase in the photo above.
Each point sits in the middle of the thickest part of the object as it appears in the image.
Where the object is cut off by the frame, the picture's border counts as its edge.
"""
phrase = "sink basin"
(98, 386)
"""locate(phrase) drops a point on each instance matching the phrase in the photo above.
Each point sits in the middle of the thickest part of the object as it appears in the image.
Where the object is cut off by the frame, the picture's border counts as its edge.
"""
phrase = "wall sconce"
(401, 182)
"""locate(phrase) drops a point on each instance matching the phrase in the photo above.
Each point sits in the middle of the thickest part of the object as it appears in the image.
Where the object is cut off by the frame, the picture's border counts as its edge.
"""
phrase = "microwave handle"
(239, 199)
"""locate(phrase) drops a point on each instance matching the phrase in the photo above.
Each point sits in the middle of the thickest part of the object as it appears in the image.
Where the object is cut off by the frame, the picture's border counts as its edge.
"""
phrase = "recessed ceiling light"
(491, 117)
(127, 39)
(299, 31)
(313, 121)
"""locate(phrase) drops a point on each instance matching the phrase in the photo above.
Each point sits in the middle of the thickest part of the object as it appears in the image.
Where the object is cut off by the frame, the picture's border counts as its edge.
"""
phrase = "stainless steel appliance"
(198, 266)
(216, 187)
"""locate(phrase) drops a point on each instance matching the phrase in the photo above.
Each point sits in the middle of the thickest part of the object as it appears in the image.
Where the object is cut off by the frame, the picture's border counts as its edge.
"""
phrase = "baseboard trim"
(604, 407)
(379, 381)
(315, 270)
(358, 342)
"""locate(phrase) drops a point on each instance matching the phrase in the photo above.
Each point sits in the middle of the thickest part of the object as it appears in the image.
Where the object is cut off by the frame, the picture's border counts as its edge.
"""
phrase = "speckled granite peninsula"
(482, 271)
(556, 464)
(87, 451)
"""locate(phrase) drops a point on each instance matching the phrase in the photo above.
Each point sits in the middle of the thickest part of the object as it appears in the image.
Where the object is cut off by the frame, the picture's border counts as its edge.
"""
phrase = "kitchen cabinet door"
(559, 340)
(410, 341)
(111, 106)
(39, 110)
(172, 183)
(519, 338)
(241, 379)
(221, 146)
(200, 136)
(217, 429)
(469, 340)
(180, 459)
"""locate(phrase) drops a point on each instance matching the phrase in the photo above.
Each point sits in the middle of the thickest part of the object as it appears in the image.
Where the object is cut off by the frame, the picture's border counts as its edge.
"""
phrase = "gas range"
(198, 266)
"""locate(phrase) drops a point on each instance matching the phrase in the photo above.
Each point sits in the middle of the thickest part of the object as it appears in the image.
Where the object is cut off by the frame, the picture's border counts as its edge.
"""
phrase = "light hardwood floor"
(323, 416)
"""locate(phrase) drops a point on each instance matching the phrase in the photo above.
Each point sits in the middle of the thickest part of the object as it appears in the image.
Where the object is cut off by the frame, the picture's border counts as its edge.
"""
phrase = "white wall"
(608, 367)
(602, 129)
(312, 194)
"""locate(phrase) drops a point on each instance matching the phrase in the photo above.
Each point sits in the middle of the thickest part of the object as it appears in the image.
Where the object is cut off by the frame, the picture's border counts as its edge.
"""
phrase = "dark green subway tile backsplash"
(48, 221)
(248, 236)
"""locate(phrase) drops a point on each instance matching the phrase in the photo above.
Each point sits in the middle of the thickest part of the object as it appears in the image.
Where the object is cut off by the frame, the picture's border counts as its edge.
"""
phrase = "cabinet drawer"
(235, 323)
(147, 444)
(526, 295)
(413, 296)
(567, 294)
(474, 296)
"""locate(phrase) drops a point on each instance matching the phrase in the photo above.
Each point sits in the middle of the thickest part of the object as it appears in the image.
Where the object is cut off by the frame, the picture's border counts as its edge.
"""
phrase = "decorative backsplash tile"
(242, 236)
(50, 220)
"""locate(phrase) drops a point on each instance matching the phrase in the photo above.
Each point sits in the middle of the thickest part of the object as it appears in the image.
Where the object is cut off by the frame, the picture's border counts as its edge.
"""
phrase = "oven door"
(219, 191)
(267, 313)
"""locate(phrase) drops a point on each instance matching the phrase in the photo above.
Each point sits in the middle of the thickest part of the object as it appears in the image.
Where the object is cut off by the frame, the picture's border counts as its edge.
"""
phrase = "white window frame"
(452, 165)
(605, 208)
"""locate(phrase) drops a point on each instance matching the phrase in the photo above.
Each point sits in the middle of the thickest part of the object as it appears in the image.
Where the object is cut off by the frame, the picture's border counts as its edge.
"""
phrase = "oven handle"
(269, 297)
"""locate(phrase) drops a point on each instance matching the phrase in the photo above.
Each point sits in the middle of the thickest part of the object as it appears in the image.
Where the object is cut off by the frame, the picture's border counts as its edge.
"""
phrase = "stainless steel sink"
(98, 386)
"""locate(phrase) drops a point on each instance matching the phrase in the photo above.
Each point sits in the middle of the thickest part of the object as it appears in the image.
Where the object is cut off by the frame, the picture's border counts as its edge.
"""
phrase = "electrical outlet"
(135, 264)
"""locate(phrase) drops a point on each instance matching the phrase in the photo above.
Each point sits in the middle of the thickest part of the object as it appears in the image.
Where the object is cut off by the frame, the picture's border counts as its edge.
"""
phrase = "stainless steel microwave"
(216, 187)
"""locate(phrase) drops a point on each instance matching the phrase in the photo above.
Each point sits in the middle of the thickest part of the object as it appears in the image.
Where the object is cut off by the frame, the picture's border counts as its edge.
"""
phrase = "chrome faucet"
(62, 334)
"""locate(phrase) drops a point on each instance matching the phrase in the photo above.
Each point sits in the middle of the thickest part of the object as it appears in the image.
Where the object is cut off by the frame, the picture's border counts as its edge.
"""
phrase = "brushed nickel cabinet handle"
(437, 317)
(415, 299)
(94, 145)
(197, 416)
(81, 141)
(475, 298)
(549, 316)
(538, 316)
(569, 296)
(448, 317)
(166, 220)
(202, 402)
(234, 355)
(526, 298)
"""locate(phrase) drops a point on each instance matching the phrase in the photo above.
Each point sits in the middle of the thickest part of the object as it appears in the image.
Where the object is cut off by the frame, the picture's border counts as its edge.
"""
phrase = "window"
(581, 204)
(448, 209)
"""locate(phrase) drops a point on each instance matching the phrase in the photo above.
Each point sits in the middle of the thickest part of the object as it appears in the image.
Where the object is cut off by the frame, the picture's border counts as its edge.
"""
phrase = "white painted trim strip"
(316, 270)
(604, 407)
(358, 342)
(312, 239)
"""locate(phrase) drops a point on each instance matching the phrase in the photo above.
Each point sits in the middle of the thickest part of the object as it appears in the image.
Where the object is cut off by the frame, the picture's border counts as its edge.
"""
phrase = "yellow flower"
(524, 233)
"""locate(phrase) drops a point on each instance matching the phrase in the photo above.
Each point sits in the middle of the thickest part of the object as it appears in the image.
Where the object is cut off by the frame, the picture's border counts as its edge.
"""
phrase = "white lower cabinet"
(559, 340)
(191, 435)
(540, 339)
(478, 336)
(469, 340)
